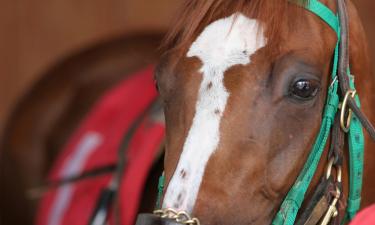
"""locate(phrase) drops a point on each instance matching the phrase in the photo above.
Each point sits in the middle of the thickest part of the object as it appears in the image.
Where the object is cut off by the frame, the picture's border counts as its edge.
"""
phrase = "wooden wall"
(366, 10)
(35, 34)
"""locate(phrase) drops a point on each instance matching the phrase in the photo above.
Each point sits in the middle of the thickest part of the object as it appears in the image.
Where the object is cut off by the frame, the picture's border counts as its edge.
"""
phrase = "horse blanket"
(365, 217)
(95, 144)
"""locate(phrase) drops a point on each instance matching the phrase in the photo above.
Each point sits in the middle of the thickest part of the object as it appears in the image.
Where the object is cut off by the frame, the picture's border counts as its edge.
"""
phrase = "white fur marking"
(222, 44)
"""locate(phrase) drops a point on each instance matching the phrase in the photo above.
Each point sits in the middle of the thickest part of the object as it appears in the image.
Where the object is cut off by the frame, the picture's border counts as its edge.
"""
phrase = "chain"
(332, 211)
(181, 217)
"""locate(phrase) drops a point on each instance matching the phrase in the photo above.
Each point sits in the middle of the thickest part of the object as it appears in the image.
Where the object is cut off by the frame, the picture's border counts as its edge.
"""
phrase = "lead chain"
(181, 217)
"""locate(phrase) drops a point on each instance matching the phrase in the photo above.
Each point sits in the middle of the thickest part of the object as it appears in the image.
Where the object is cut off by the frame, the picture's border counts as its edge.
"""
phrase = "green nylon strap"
(293, 201)
(356, 146)
(296, 195)
(160, 190)
(356, 155)
(325, 14)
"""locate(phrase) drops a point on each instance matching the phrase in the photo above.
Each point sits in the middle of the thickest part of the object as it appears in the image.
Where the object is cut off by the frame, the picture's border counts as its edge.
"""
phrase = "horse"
(46, 116)
(248, 87)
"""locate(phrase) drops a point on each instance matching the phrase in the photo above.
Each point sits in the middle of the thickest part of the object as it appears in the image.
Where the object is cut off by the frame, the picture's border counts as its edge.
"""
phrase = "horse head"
(244, 84)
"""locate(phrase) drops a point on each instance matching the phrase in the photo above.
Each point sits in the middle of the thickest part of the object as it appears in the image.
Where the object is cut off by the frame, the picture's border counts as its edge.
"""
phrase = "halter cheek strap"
(293, 201)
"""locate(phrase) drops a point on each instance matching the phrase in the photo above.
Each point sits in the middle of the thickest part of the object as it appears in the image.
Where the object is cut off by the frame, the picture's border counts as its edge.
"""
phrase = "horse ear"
(358, 47)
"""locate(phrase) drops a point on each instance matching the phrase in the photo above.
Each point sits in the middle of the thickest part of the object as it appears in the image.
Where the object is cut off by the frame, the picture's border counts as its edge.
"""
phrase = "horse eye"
(304, 89)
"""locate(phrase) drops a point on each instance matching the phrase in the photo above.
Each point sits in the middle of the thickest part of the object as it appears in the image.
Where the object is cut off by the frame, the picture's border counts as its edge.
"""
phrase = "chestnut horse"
(244, 85)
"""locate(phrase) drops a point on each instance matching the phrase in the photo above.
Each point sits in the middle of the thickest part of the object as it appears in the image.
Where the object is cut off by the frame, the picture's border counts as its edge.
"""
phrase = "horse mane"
(195, 15)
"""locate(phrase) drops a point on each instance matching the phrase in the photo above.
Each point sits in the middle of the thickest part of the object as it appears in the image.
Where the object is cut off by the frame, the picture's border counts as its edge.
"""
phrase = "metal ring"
(338, 170)
(193, 221)
(346, 125)
(329, 168)
(339, 174)
(158, 212)
(182, 216)
(171, 211)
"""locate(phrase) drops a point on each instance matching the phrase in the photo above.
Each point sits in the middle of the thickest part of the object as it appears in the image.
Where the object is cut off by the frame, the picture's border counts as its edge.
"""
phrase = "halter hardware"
(346, 125)
(332, 211)
(338, 170)
(181, 217)
(340, 74)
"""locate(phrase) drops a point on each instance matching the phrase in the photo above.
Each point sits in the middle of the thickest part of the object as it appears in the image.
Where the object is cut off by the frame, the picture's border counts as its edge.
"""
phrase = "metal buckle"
(338, 170)
(333, 81)
(346, 125)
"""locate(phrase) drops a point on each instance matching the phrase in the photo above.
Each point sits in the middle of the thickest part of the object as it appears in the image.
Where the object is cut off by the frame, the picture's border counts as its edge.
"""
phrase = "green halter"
(293, 201)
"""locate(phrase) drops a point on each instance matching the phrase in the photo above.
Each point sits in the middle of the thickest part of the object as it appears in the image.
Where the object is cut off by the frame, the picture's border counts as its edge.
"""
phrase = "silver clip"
(332, 210)
(333, 82)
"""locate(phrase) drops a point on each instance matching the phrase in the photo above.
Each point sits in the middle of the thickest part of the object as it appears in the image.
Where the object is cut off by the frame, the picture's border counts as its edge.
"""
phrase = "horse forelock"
(195, 15)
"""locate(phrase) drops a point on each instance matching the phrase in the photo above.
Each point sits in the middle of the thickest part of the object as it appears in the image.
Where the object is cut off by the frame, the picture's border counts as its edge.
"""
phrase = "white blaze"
(224, 43)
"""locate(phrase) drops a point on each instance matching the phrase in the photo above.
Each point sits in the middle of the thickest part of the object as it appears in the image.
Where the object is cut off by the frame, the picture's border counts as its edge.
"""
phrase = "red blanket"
(365, 217)
(96, 144)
